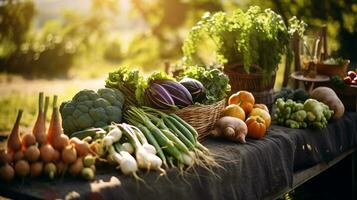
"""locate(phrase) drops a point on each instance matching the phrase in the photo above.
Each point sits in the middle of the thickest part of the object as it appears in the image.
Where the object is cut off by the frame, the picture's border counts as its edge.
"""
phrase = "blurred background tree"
(37, 42)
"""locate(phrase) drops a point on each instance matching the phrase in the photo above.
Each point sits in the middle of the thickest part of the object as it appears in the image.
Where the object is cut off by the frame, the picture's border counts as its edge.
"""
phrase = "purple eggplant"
(178, 92)
(195, 87)
(159, 97)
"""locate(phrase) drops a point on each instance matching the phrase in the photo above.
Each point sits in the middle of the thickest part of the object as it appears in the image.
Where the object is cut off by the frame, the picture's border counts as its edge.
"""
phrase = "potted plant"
(249, 44)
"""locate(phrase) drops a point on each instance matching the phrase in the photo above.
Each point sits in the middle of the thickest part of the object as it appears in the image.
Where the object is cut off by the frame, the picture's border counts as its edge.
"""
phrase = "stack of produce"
(163, 92)
(207, 85)
(152, 140)
(159, 90)
(175, 140)
(243, 117)
(39, 153)
(351, 78)
(311, 113)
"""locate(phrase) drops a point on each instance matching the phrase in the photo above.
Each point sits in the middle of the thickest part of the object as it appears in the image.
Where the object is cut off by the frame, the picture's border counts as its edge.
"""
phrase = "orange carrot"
(39, 129)
(14, 142)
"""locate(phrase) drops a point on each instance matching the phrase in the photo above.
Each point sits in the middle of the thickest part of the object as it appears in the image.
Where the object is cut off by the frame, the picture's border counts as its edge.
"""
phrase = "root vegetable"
(231, 128)
(14, 141)
(50, 170)
(36, 169)
(56, 155)
(88, 161)
(87, 173)
(28, 139)
(7, 173)
(69, 154)
(82, 148)
(32, 153)
(329, 97)
(55, 135)
(5, 157)
(22, 168)
(128, 147)
(76, 167)
(39, 129)
(18, 155)
(47, 153)
(61, 142)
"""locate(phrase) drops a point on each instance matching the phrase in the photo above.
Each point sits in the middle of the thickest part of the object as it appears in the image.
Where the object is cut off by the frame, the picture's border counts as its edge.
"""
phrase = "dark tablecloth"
(254, 170)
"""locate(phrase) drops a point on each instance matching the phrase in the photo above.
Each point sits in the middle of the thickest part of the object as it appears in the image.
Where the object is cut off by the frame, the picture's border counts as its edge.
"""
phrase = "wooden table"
(309, 82)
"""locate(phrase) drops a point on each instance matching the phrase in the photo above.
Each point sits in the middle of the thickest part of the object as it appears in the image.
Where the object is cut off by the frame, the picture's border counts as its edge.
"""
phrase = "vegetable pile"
(311, 113)
(243, 117)
(92, 109)
(159, 90)
(152, 140)
(52, 154)
(175, 140)
(215, 83)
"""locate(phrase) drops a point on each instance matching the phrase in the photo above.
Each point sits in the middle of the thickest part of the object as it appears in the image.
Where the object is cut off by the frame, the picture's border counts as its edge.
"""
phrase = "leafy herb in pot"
(255, 37)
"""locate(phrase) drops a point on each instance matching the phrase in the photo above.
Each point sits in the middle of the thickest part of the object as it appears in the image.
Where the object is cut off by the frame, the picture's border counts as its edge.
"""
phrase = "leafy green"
(335, 61)
(254, 37)
(215, 82)
(129, 82)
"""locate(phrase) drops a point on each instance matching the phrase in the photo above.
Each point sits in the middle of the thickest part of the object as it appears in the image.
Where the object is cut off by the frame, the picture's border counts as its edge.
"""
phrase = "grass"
(10, 104)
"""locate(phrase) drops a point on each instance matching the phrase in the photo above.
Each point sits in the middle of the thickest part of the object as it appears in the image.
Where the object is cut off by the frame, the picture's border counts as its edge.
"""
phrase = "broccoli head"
(92, 109)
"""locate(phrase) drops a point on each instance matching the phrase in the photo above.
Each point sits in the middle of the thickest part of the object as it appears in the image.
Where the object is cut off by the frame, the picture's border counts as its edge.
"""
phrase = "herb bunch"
(256, 36)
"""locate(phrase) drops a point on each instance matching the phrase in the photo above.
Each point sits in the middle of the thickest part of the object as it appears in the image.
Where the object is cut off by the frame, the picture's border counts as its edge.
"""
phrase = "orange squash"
(256, 127)
(234, 111)
(244, 99)
(263, 114)
(261, 106)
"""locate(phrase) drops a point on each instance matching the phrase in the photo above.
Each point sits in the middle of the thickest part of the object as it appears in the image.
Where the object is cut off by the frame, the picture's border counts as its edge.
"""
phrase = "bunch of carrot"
(51, 153)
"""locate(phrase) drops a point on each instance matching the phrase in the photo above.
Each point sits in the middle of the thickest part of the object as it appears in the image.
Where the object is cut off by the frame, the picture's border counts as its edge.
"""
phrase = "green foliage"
(15, 20)
(215, 82)
(113, 52)
(129, 82)
(252, 37)
(50, 51)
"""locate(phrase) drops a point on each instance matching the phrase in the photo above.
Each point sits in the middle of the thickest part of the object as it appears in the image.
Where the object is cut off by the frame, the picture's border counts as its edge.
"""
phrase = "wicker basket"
(266, 97)
(240, 80)
(201, 117)
(333, 70)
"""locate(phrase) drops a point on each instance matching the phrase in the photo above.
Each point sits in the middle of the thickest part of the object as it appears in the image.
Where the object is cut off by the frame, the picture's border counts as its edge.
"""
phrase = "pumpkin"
(256, 127)
(328, 96)
(261, 106)
(234, 111)
(244, 99)
(263, 114)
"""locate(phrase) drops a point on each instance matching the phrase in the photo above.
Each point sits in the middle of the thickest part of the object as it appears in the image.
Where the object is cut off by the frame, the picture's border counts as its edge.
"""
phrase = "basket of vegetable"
(332, 67)
(198, 97)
